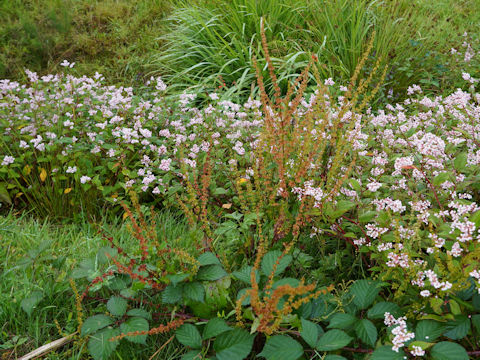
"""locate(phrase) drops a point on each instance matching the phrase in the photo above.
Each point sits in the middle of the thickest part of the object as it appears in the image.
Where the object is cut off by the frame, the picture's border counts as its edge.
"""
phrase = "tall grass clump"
(212, 44)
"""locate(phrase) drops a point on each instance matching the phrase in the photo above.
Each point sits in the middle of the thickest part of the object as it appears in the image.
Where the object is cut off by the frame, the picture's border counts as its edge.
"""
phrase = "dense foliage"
(297, 220)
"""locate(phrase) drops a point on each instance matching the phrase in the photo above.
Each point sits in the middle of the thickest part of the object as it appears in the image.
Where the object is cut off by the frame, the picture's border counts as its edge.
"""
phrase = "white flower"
(7, 160)
(329, 82)
(85, 179)
(71, 170)
(65, 63)
(425, 293)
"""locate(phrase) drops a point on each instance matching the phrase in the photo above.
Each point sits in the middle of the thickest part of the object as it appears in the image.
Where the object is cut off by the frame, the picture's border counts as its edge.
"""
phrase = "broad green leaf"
(421, 344)
(95, 323)
(309, 332)
(460, 161)
(244, 274)
(30, 303)
(367, 216)
(215, 327)
(286, 281)
(135, 324)
(334, 357)
(364, 292)
(194, 291)
(458, 328)
(188, 335)
(105, 254)
(208, 258)
(440, 178)
(270, 259)
(192, 355)
(117, 306)
(281, 347)
(386, 353)
(219, 191)
(428, 330)
(211, 273)
(99, 345)
(233, 345)
(140, 312)
(333, 340)
(175, 279)
(366, 331)
(171, 294)
(246, 300)
(378, 310)
(342, 207)
(446, 350)
(342, 321)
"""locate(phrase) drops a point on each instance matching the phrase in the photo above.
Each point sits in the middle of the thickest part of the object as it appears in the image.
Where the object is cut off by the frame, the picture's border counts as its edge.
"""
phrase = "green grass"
(113, 37)
(194, 42)
(40, 256)
(219, 38)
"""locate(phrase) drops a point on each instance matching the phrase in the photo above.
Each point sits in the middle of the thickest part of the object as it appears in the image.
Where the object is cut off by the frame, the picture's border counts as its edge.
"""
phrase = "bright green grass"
(38, 256)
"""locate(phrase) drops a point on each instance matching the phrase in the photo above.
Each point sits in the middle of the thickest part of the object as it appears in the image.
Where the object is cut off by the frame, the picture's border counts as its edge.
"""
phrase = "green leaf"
(309, 332)
(440, 178)
(211, 273)
(117, 306)
(194, 291)
(30, 303)
(175, 279)
(219, 191)
(366, 331)
(367, 216)
(286, 281)
(135, 324)
(171, 294)
(333, 340)
(460, 161)
(386, 353)
(475, 218)
(271, 258)
(428, 330)
(281, 347)
(140, 312)
(458, 328)
(334, 357)
(342, 321)
(342, 207)
(215, 327)
(378, 310)
(4, 196)
(105, 253)
(192, 355)
(233, 345)
(364, 292)
(244, 274)
(99, 345)
(476, 321)
(95, 323)
(188, 335)
(120, 282)
(446, 350)
(208, 258)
